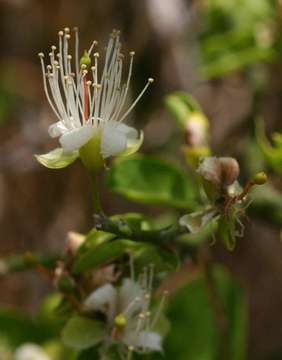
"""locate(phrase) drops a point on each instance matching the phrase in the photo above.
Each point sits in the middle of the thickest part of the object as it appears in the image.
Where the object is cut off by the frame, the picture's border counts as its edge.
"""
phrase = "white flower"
(127, 310)
(30, 352)
(87, 103)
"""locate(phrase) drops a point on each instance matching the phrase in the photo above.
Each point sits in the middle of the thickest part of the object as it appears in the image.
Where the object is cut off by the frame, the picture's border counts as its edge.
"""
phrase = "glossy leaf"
(151, 181)
(93, 239)
(190, 313)
(105, 253)
(82, 333)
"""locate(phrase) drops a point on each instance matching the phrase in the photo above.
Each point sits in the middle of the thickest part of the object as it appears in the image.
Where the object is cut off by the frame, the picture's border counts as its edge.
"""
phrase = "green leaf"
(82, 333)
(48, 317)
(267, 204)
(162, 260)
(272, 154)
(135, 221)
(143, 254)
(57, 159)
(17, 328)
(151, 181)
(88, 354)
(104, 253)
(93, 239)
(192, 317)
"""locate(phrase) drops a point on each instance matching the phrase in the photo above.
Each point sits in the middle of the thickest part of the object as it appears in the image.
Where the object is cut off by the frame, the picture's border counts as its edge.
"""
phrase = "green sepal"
(226, 232)
(57, 158)
(90, 154)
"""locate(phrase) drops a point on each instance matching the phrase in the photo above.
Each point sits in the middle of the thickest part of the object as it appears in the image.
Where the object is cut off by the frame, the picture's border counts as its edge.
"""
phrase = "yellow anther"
(151, 80)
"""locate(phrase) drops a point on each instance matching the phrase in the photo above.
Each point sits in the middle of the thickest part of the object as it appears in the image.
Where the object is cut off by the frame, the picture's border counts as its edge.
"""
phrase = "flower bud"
(196, 130)
(74, 241)
(260, 178)
(229, 170)
(210, 170)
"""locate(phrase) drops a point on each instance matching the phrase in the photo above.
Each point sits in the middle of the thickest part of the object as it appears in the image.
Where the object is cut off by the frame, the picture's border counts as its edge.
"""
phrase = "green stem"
(95, 194)
(206, 264)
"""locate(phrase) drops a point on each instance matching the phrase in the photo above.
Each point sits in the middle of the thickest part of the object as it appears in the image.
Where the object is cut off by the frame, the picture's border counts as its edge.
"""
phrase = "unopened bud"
(210, 169)
(260, 178)
(229, 170)
(196, 130)
(74, 241)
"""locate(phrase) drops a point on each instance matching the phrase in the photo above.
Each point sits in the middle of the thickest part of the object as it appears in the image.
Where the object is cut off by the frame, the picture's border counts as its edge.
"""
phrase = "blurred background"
(226, 53)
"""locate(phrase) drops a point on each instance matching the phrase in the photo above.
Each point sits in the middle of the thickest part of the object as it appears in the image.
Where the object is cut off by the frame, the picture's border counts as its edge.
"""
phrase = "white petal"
(57, 129)
(113, 141)
(133, 145)
(30, 352)
(129, 131)
(131, 297)
(76, 138)
(144, 340)
(103, 299)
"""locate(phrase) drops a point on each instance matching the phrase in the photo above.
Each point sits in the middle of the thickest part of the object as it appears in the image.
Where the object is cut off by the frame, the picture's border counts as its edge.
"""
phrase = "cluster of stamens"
(144, 319)
(74, 89)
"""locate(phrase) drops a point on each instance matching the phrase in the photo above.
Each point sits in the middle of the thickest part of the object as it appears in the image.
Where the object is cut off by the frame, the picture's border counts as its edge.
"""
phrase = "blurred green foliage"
(236, 34)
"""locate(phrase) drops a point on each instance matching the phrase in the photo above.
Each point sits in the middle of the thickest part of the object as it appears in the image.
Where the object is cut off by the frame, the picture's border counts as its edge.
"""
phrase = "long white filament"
(69, 92)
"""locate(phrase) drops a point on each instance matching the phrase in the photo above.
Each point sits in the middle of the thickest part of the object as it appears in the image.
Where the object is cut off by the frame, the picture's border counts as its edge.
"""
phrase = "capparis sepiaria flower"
(128, 315)
(89, 103)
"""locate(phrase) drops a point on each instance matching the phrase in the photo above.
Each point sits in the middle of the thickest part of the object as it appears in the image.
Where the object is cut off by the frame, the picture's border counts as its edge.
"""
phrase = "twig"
(121, 229)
